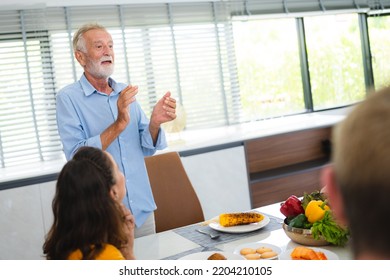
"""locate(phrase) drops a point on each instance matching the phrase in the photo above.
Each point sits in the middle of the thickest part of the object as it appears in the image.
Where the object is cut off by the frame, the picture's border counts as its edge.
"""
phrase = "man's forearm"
(110, 134)
(153, 129)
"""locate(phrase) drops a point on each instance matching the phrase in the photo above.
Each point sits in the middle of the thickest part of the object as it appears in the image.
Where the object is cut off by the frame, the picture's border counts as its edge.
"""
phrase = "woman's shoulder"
(109, 252)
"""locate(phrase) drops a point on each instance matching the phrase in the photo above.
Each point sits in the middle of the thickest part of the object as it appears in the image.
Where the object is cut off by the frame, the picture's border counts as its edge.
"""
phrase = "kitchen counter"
(188, 143)
(200, 141)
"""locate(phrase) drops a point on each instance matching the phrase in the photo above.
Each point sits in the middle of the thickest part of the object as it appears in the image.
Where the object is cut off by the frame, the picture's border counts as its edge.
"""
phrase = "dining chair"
(177, 202)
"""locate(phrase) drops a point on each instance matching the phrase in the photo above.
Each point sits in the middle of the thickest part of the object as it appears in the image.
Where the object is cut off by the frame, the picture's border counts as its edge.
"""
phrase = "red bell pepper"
(292, 207)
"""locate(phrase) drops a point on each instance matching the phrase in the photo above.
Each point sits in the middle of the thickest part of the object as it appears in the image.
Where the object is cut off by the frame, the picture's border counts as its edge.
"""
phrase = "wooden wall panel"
(285, 149)
(279, 189)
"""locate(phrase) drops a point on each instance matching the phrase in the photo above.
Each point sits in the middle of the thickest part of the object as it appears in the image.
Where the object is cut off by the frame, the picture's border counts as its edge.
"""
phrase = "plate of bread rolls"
(258, 251)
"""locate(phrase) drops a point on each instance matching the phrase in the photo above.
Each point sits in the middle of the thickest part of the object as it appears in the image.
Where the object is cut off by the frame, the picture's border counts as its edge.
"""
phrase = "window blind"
(183, 48)
(263, 7)
(27, 105)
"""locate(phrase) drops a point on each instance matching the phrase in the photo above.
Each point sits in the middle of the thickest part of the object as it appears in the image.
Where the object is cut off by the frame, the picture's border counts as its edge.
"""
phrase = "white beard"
(99, 70)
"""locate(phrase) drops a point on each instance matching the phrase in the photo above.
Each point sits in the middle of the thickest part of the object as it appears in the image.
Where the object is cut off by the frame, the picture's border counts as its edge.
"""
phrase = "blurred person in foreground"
(100, 112)
(358, 179)
(90, 221)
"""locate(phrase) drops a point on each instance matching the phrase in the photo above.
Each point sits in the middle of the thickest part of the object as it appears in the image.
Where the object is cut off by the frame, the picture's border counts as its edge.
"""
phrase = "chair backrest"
(176, 200)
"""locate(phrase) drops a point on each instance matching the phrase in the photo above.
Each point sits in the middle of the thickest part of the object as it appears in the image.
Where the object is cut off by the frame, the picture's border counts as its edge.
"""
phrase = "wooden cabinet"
(285, 164)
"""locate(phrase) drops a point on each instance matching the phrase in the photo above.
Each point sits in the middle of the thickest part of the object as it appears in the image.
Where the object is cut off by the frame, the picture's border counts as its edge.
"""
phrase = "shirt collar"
(89, 89)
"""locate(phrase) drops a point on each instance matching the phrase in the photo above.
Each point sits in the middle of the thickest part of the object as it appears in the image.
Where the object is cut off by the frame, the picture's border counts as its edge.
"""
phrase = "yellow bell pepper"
(315, 210)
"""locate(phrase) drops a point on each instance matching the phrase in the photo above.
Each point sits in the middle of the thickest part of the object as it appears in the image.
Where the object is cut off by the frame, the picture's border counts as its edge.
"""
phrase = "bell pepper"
(299, 221)
(292, 207)
(315, 210)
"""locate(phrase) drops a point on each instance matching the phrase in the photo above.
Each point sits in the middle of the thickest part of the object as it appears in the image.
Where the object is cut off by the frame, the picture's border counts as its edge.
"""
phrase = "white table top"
(169, 243)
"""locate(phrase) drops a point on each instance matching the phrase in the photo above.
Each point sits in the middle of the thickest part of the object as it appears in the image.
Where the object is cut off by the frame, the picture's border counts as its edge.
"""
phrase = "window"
(335, 60)
(268, 67)
(379, 32)
(187, 50)
(27, 106)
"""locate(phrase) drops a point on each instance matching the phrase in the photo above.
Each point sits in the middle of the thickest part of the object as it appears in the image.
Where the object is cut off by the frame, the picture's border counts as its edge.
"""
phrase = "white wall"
(25, 218)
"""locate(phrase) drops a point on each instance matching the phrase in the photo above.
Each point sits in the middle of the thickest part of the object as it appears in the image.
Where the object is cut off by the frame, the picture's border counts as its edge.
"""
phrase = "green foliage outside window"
(335, 60)
(379, 32)
(268, 68)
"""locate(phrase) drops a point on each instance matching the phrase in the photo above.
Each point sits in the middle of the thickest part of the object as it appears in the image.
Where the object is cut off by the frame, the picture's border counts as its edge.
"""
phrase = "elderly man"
(100, 112)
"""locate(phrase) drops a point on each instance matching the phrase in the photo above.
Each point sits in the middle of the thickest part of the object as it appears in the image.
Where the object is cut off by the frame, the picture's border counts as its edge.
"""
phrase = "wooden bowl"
(303, 236)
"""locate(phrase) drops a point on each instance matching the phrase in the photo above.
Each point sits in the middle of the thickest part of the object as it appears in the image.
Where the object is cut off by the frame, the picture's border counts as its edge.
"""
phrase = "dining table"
(176, 244)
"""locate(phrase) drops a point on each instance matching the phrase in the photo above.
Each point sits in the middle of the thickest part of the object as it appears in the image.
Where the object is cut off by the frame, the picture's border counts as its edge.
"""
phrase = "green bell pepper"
(299, 221)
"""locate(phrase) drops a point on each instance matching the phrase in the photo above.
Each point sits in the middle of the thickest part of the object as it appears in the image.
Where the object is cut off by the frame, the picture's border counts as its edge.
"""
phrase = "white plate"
(286, 255)
(255, 245)
(241, 228)
(205, 255)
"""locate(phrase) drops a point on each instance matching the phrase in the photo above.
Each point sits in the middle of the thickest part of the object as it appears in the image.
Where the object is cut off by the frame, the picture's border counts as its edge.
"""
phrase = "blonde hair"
(78, 39)
(362, 141)
(361, 160)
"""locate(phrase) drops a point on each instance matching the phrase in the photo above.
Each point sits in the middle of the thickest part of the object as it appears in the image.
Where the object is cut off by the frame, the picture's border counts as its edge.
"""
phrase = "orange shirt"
(109, 252)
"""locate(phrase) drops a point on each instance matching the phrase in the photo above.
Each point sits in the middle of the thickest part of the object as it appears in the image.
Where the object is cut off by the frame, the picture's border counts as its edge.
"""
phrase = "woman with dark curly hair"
(90, 221)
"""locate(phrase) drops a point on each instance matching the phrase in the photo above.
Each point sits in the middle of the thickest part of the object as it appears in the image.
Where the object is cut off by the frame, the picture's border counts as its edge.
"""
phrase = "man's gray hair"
(78, 39)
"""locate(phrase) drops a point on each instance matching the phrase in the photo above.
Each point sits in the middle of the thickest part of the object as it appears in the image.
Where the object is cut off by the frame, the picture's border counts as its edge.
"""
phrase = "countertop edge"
(188, 144)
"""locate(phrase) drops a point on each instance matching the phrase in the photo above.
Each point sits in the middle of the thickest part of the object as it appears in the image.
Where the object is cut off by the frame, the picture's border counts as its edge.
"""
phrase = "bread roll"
(254, 256)
(246, 251)
(217, 256)
(268, 255)
(262, 250)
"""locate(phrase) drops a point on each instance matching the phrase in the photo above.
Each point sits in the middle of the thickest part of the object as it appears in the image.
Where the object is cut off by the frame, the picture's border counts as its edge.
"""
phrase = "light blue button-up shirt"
(83, 114)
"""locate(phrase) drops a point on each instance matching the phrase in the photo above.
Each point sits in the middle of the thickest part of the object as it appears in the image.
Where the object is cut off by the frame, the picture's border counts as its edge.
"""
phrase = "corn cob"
(235, 219)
